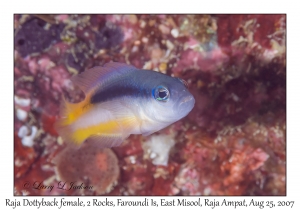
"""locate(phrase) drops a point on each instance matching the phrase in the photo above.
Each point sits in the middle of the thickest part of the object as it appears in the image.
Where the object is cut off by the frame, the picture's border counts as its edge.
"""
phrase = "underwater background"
(232, 143)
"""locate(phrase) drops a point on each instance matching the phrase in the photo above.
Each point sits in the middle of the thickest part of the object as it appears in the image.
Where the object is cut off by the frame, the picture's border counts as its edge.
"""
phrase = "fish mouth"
(186, 99)
(187, 103)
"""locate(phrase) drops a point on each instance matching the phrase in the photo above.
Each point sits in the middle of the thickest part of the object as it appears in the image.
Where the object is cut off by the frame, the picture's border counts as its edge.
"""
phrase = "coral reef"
(232, 143)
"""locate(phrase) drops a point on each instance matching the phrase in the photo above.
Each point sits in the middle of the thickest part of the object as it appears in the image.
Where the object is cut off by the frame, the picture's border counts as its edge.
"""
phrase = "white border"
(153, 6)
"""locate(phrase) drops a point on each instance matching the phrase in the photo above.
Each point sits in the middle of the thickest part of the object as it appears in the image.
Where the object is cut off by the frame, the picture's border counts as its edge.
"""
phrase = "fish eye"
(161, 93)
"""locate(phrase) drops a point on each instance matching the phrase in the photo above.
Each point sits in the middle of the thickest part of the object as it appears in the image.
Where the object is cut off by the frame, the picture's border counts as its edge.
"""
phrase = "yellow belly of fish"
(105, 129)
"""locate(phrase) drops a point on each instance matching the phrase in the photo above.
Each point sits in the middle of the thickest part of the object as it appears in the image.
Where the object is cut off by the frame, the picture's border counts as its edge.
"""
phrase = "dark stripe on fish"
(117, 91)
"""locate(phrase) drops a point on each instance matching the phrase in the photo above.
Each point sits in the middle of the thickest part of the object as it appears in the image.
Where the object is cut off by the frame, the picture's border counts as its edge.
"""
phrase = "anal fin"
(105, 141)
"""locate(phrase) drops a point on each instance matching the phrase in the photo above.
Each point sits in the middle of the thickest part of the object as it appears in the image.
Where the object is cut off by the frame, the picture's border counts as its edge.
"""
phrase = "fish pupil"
(162, 94)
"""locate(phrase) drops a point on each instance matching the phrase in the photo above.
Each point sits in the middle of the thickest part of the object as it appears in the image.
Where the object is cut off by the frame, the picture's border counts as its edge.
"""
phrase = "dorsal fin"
(93, 78)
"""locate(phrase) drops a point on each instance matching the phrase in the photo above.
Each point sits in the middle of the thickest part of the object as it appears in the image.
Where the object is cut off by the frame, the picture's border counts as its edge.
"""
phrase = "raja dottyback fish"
(121, 100)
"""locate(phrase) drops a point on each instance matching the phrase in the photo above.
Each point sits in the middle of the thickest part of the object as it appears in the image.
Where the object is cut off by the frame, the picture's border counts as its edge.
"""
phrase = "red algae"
(232, 143)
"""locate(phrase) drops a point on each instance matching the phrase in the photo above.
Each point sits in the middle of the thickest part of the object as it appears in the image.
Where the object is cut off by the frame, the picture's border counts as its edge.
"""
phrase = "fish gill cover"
(232, 143)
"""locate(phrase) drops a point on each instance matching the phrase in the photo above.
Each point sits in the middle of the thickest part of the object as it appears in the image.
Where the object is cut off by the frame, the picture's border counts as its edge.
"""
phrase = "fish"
(121, 100)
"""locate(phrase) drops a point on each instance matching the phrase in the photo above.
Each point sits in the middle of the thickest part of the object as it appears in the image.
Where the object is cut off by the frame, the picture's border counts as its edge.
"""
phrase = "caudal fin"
(68, 114)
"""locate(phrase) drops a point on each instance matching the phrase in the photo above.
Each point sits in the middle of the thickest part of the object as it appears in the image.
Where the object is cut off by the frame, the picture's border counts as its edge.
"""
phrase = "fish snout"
(186, 104)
